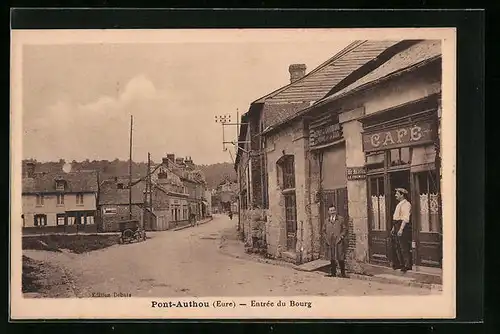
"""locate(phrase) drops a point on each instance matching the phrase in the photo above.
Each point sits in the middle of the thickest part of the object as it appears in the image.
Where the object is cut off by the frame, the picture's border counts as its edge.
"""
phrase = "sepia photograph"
(246, 173)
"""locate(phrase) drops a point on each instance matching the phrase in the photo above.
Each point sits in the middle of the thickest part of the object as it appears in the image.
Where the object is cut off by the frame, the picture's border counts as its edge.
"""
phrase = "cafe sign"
(415, 134)
(325, 134)
(356, 173)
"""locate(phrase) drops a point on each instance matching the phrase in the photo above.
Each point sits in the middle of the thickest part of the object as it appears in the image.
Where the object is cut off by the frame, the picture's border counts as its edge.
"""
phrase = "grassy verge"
(31, 272)
(74, 243)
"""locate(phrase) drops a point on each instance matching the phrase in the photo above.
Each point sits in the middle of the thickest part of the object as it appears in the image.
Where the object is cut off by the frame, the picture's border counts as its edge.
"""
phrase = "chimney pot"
(297, 71)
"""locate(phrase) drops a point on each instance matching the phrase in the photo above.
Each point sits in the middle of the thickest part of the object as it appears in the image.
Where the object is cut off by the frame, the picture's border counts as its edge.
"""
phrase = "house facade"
(257, 174)
(178, 190)
(59, 201)
(377, 131)
(114, 205)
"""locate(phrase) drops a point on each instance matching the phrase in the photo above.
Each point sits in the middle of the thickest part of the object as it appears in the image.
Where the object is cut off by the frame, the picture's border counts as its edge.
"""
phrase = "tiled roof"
(110, 194)
(314, 85)
(82, 181)
(277, 113)
(418, 53)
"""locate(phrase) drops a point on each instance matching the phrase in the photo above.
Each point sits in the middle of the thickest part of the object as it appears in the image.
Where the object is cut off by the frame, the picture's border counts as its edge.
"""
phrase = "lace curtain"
(378, 212)
(429, 213)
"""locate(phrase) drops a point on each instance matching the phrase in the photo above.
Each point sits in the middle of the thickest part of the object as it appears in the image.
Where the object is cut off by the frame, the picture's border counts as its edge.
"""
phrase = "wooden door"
(378, 230)
(338, 198)
(427, 219)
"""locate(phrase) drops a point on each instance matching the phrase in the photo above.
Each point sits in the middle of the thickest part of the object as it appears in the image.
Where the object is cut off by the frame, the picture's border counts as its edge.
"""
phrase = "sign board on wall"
(325, 134)
(110, 211)
(415, 134)
(356, 173)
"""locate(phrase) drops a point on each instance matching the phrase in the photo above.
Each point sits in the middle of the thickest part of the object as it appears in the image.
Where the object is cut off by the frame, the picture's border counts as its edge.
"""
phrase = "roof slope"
(314, 85)
(82, 181)
(110, 194)
(416, 54)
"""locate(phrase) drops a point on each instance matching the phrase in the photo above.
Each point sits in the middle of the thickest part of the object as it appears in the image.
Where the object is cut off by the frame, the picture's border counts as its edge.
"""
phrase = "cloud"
(138, 88)
(97, 129)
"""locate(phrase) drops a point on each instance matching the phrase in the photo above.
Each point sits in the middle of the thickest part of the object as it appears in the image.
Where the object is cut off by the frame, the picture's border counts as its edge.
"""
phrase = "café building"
(390, 138)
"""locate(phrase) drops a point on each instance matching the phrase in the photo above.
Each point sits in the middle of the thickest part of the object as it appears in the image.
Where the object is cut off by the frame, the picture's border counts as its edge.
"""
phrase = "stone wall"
(289, 141)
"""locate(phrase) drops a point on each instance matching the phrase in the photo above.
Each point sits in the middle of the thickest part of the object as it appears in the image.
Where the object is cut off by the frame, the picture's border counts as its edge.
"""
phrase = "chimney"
(189, 162)
(179, 161)
(171, 157)
(164, 161)
(30, 169)
(297, 71)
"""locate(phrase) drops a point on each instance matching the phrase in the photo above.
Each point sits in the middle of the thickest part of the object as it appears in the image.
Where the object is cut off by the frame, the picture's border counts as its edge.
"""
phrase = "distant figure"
(230, 215)
(192, 218)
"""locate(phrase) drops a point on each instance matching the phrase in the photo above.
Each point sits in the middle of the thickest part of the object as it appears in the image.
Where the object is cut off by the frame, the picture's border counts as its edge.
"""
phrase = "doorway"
(382, 203)
(338, 198)
(399, 179)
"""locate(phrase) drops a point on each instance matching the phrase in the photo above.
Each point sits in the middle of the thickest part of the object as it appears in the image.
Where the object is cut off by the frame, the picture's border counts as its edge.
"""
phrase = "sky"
(78, 98)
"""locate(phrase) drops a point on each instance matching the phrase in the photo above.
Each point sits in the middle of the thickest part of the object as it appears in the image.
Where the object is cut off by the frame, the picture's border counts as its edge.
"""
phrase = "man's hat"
(402, 190)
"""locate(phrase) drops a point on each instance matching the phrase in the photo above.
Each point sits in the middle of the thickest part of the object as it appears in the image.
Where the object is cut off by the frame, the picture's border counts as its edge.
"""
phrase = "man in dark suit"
(335, 232)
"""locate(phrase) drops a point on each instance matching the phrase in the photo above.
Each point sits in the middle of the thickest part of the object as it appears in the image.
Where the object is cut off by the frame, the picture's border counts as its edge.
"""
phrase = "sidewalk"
(230, 245)
(203, 221)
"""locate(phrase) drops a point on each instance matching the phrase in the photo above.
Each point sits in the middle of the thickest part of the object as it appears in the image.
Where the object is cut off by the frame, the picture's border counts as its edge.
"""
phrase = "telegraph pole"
(225, 120)
(130, 171)
(150, 187)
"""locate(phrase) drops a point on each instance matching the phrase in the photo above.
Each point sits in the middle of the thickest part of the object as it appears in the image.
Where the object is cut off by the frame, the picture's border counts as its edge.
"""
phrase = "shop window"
(377, 204)
(427, 183)
(40, 220)
(400, 156)
(90, 220)
(375, 160)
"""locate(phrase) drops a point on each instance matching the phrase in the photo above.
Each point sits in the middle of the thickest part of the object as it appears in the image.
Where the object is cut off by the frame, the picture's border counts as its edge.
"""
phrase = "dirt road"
(188, 263)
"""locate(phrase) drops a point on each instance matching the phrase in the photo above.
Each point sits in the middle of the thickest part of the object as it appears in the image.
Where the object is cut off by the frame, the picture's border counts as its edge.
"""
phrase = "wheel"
(127, 235)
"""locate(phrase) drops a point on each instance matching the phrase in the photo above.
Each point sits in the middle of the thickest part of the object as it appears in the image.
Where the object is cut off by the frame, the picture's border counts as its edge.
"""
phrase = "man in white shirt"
(401, 230)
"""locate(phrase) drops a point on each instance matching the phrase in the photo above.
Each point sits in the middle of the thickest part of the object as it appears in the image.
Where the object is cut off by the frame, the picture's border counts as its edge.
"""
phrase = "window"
(244, 201)
(61, 219)
(39, 200)
(90, 219)
(291, 220)
(60, 185)
(375, 160)
(60, 199)
(428, 201)
(377, 204)
(286, 172)
(79, 199)
(400, 156)
(40, 220)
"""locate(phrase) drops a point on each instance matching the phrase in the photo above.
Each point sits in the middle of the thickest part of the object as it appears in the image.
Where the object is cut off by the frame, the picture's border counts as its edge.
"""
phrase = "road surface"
(188, 263)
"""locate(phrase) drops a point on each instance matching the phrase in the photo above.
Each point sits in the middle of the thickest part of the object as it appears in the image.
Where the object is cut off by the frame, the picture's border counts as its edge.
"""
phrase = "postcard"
(233, 174)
